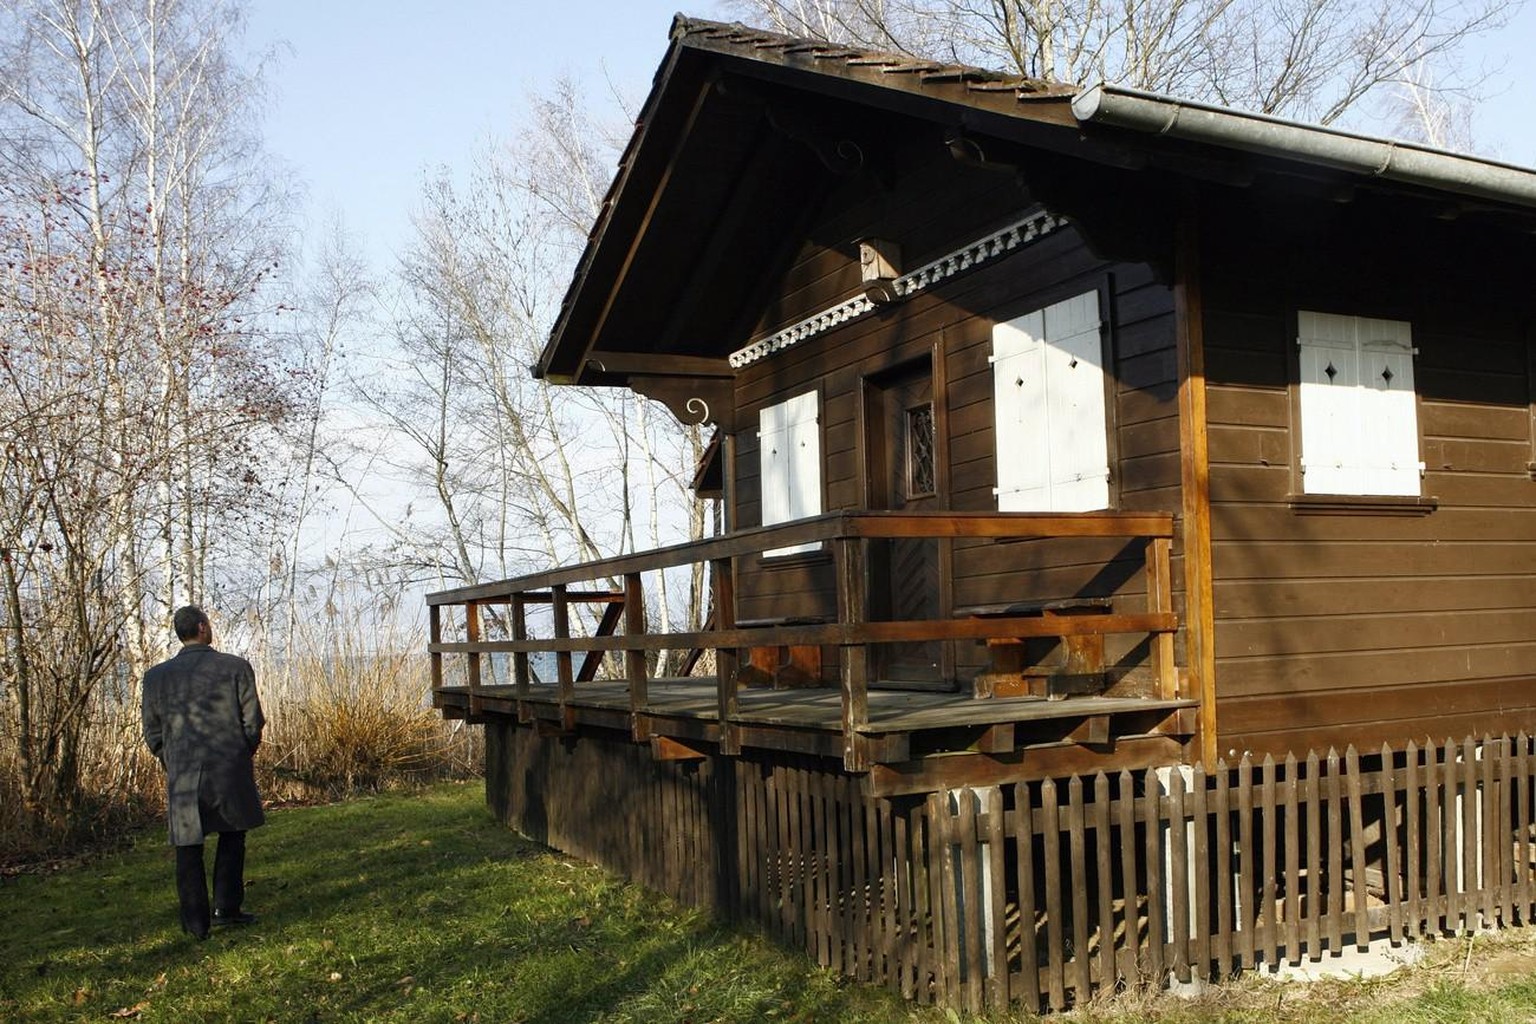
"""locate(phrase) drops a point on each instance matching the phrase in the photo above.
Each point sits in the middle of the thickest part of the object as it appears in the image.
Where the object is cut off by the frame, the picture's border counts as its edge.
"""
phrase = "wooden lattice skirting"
(1043, 892)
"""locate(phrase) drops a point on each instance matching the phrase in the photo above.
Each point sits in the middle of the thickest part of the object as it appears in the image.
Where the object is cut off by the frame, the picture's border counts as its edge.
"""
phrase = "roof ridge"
(686, 28)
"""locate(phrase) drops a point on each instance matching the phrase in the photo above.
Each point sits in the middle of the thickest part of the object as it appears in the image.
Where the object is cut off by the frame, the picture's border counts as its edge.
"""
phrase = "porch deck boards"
(890, 711)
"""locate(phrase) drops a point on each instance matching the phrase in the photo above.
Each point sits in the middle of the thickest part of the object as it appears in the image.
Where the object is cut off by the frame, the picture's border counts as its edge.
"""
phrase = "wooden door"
(904, 476)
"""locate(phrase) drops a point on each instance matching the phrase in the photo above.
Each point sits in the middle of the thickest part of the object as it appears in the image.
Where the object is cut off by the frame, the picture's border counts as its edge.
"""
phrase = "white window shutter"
(1359, 420)
(803, 434)
(1018, 385)
(773, 456)
(1048, 390)
(1330, 404)
(1390, 438)
(1079, 445)
(789, 452)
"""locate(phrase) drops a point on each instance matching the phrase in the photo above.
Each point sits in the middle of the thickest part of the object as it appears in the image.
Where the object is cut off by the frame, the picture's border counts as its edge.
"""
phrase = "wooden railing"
(619, 586)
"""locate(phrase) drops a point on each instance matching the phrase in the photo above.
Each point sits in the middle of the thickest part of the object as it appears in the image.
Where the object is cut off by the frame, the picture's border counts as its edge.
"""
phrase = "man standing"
(202, 719)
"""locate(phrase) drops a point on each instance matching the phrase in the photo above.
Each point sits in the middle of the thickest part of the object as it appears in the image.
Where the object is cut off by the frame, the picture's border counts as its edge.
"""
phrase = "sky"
(368, 96)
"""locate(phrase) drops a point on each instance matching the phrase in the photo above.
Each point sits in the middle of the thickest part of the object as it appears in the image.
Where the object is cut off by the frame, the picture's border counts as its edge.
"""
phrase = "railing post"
(634, 658)
(1160, 599)
(472, 635)
(725, 657)
(563, 669)
(853, 658)
(435, 637)
(520, 658)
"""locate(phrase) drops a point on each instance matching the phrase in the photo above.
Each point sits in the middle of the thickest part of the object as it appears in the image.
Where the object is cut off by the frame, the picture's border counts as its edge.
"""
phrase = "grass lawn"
(420, 907)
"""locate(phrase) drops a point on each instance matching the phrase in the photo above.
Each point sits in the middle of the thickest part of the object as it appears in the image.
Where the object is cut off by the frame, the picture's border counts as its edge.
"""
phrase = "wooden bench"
(1016, 665)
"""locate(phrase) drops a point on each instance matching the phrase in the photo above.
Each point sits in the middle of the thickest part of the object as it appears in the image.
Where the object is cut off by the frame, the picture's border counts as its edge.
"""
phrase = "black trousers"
(228, 881)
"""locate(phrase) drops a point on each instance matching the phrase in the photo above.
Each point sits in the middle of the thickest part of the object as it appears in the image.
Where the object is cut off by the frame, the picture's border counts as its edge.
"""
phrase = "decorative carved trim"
(1005, 240)
(807, 328)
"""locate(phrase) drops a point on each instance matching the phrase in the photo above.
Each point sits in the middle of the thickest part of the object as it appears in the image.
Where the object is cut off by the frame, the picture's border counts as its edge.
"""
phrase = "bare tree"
(1312, 59)
(137, 381)
(520, 474)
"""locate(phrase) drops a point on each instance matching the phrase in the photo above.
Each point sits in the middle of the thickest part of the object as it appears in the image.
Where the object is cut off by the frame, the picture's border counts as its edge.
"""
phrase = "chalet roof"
(744, 129)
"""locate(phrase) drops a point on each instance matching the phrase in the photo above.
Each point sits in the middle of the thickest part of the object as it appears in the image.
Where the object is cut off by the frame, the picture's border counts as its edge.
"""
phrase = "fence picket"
(1246, 911)
(1391, 829)
(1104, 882)
(1415, 836)
(1128, 961)
(1222, 931)
(997, 892)
(1357, 861)
(1335, 867)
(1178, 874)
(1157, 929)
(1314, 909)
(1051, 829)
(1078, 878)
(1029, 953)
(1201, 956)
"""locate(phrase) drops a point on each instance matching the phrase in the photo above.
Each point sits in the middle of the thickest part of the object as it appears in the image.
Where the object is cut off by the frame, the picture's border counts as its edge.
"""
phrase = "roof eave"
(1403, 162)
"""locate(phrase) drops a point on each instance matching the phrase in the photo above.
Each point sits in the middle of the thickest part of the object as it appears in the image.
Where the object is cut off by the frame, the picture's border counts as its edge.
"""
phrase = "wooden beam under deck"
(906, 732)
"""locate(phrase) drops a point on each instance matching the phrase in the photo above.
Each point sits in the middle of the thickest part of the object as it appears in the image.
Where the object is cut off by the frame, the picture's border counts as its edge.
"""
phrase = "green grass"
(411, 907)
(420, 907)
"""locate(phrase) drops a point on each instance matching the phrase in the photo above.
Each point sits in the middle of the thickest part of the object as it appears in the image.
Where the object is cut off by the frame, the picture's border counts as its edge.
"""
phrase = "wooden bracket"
(1093, 731)
(664, 748)
(996, 739)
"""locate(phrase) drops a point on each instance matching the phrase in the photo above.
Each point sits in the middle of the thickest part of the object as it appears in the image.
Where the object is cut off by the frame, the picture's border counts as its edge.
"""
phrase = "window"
(1048, 386)
(919, 447)
(1359, 418)
(789, 453)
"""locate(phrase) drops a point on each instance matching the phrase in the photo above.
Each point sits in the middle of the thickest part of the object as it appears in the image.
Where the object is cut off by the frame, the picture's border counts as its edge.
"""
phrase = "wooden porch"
(1002, 726)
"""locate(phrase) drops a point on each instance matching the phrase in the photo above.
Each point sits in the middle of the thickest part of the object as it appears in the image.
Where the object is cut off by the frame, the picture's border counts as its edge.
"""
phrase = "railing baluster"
(634, 658)
(434, 637)
(725, 657)
(1160, 599)
(520, 658)
(563, 669)
(472, 635)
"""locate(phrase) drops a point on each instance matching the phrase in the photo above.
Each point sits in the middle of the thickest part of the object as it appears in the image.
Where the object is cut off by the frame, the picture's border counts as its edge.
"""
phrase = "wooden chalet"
(1060, 431)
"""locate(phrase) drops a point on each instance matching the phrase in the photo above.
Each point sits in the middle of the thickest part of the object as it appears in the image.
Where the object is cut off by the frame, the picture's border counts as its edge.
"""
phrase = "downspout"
(1404, 162)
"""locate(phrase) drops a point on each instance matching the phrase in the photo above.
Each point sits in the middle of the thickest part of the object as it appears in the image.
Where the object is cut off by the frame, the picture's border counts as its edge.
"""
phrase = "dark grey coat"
(202, 719)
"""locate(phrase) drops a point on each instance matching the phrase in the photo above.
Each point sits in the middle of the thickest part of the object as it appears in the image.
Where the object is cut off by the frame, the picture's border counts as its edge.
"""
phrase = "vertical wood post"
(725, 657)
(435, 637)
(472, 635)
(520, 658)
(853, 610)
(1195, 484)
(566, 676)
(635, 669)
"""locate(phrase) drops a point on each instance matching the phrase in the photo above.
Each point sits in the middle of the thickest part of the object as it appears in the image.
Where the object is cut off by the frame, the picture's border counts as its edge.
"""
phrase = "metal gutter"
(1405, 162)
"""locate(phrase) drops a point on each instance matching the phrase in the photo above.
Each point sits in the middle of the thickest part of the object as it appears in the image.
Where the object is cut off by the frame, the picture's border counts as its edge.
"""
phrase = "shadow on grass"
(402, 907)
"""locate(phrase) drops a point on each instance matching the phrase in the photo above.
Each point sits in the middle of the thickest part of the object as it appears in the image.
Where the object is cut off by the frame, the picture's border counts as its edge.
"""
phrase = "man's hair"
(187, 620)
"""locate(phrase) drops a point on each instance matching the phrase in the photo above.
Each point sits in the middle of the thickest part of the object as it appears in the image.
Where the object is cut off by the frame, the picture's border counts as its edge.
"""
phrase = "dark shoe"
(221, 918)
(198, 935)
